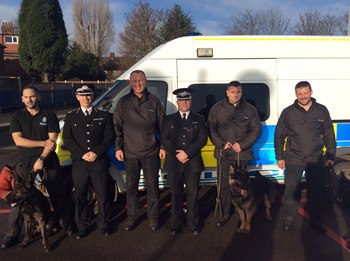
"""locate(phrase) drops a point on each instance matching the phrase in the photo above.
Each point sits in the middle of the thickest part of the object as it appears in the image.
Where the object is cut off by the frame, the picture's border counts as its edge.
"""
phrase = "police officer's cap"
(85, 90)
(183, 94)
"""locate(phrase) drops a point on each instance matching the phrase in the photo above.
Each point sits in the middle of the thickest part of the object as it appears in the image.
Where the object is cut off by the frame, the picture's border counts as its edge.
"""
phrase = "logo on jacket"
(43, 122)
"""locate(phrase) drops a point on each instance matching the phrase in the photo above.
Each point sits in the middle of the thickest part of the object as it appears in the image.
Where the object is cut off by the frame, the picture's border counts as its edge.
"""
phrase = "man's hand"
(228, 145)
(162, 153)
(50, 145)
(236, 147)
(281, 164)
(38, 165)
(119, 155)
(182, 156)
(89, 156)
(330, 163)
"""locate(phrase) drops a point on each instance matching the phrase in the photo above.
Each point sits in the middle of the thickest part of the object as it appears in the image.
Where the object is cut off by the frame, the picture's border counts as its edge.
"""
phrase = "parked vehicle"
(268, 68)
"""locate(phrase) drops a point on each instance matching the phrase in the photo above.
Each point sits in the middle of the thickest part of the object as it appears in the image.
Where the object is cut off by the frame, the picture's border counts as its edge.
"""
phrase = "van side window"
(109, 99)
(159, 89)
(257, 94)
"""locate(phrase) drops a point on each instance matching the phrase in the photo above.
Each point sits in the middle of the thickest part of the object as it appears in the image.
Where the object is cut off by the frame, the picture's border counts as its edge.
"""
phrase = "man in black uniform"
(35, 132)
(183, 135)
(234, 126)
(137, 119)
(87, 134)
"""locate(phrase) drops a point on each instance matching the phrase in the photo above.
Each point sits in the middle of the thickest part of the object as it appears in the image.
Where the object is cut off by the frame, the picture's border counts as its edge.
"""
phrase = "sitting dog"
(35, 209)
(247, 193)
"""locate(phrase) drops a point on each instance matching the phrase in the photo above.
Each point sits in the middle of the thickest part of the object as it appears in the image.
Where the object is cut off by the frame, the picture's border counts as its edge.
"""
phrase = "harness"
(38, 179)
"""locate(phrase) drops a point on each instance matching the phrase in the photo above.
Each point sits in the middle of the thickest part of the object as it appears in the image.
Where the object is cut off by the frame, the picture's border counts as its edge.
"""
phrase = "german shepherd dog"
(247, 193)
(35, 208)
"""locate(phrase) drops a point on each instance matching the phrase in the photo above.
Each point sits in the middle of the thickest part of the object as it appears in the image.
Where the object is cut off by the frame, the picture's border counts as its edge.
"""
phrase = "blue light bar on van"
(204, 52)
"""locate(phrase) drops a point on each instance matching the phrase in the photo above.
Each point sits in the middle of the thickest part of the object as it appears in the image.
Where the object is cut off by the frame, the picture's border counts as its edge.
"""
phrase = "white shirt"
(89, 110)
(182, 113)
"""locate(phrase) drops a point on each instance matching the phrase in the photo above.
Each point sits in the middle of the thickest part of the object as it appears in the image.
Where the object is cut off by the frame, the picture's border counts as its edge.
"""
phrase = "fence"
(58, 94)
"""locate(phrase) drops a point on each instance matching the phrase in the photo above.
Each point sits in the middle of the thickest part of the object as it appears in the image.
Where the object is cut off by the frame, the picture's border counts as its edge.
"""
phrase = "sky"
(209, 16)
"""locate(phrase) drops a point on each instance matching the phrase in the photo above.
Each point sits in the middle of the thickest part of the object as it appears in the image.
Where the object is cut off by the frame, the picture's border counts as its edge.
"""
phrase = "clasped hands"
(235, 146)
(89, 156)
(182, 156)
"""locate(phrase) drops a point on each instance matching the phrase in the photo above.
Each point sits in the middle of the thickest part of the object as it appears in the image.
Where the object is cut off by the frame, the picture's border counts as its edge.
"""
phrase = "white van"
(268, 68)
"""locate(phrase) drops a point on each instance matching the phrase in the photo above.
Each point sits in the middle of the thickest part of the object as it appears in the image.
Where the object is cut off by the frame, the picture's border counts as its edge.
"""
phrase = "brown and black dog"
(247, 193)
(35, 209)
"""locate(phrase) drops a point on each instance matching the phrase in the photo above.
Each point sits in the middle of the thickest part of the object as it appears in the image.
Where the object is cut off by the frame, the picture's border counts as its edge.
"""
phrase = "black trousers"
(150, 167)
(314, 174)
(177, 182)
(54, 187)
(225, 191)
(82, 173)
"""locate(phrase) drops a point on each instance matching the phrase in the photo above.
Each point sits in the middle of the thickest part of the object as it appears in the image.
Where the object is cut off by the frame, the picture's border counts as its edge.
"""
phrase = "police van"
(268, 68)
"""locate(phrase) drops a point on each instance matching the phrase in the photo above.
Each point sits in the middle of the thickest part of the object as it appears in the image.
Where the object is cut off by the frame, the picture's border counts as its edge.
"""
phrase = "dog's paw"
(47, 248)
(241, 230)
(23, 245)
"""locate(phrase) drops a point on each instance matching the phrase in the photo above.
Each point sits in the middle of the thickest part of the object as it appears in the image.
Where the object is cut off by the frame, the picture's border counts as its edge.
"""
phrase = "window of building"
(257, 94)
(11, 39)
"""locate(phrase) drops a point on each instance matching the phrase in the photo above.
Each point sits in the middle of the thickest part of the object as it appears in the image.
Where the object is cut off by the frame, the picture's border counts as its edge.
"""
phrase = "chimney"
(7, 28)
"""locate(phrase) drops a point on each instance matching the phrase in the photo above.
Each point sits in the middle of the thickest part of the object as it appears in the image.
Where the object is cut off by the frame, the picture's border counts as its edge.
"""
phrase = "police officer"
(35, 131)
(183, 135)
(87, 134)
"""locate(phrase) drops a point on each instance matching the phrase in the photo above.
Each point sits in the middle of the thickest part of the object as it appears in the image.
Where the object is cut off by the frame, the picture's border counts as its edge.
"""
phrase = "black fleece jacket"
(307, 133)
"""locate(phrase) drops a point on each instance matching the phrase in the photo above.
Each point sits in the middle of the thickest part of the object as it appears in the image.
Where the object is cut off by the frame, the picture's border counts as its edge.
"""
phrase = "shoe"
(194, 231)
(129, 225)
(221, 222)
(319, 228)
(174, 231)
(49, 232)
(8, 242)
(69, 232)
(287, 226)
(81, 234)
(105, 232)
(153, 224)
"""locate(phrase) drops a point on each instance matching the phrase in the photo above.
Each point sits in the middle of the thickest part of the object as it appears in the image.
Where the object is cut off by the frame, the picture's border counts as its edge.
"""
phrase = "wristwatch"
(42, 158)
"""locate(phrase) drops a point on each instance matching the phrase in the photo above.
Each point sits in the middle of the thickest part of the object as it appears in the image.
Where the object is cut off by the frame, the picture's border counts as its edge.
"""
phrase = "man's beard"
(304, 104)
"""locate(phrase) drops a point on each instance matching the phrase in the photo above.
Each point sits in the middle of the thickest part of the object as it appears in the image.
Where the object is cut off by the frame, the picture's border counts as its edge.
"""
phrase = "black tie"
(184, 116)
(86, 114)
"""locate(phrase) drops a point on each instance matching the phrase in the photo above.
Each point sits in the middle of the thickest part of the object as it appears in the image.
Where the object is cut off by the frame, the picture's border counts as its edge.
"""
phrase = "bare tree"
(250, 22)
(343, 23)
(93, 26)
(273, 22)
(246, 23)
(315, 23)
(142, 33)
